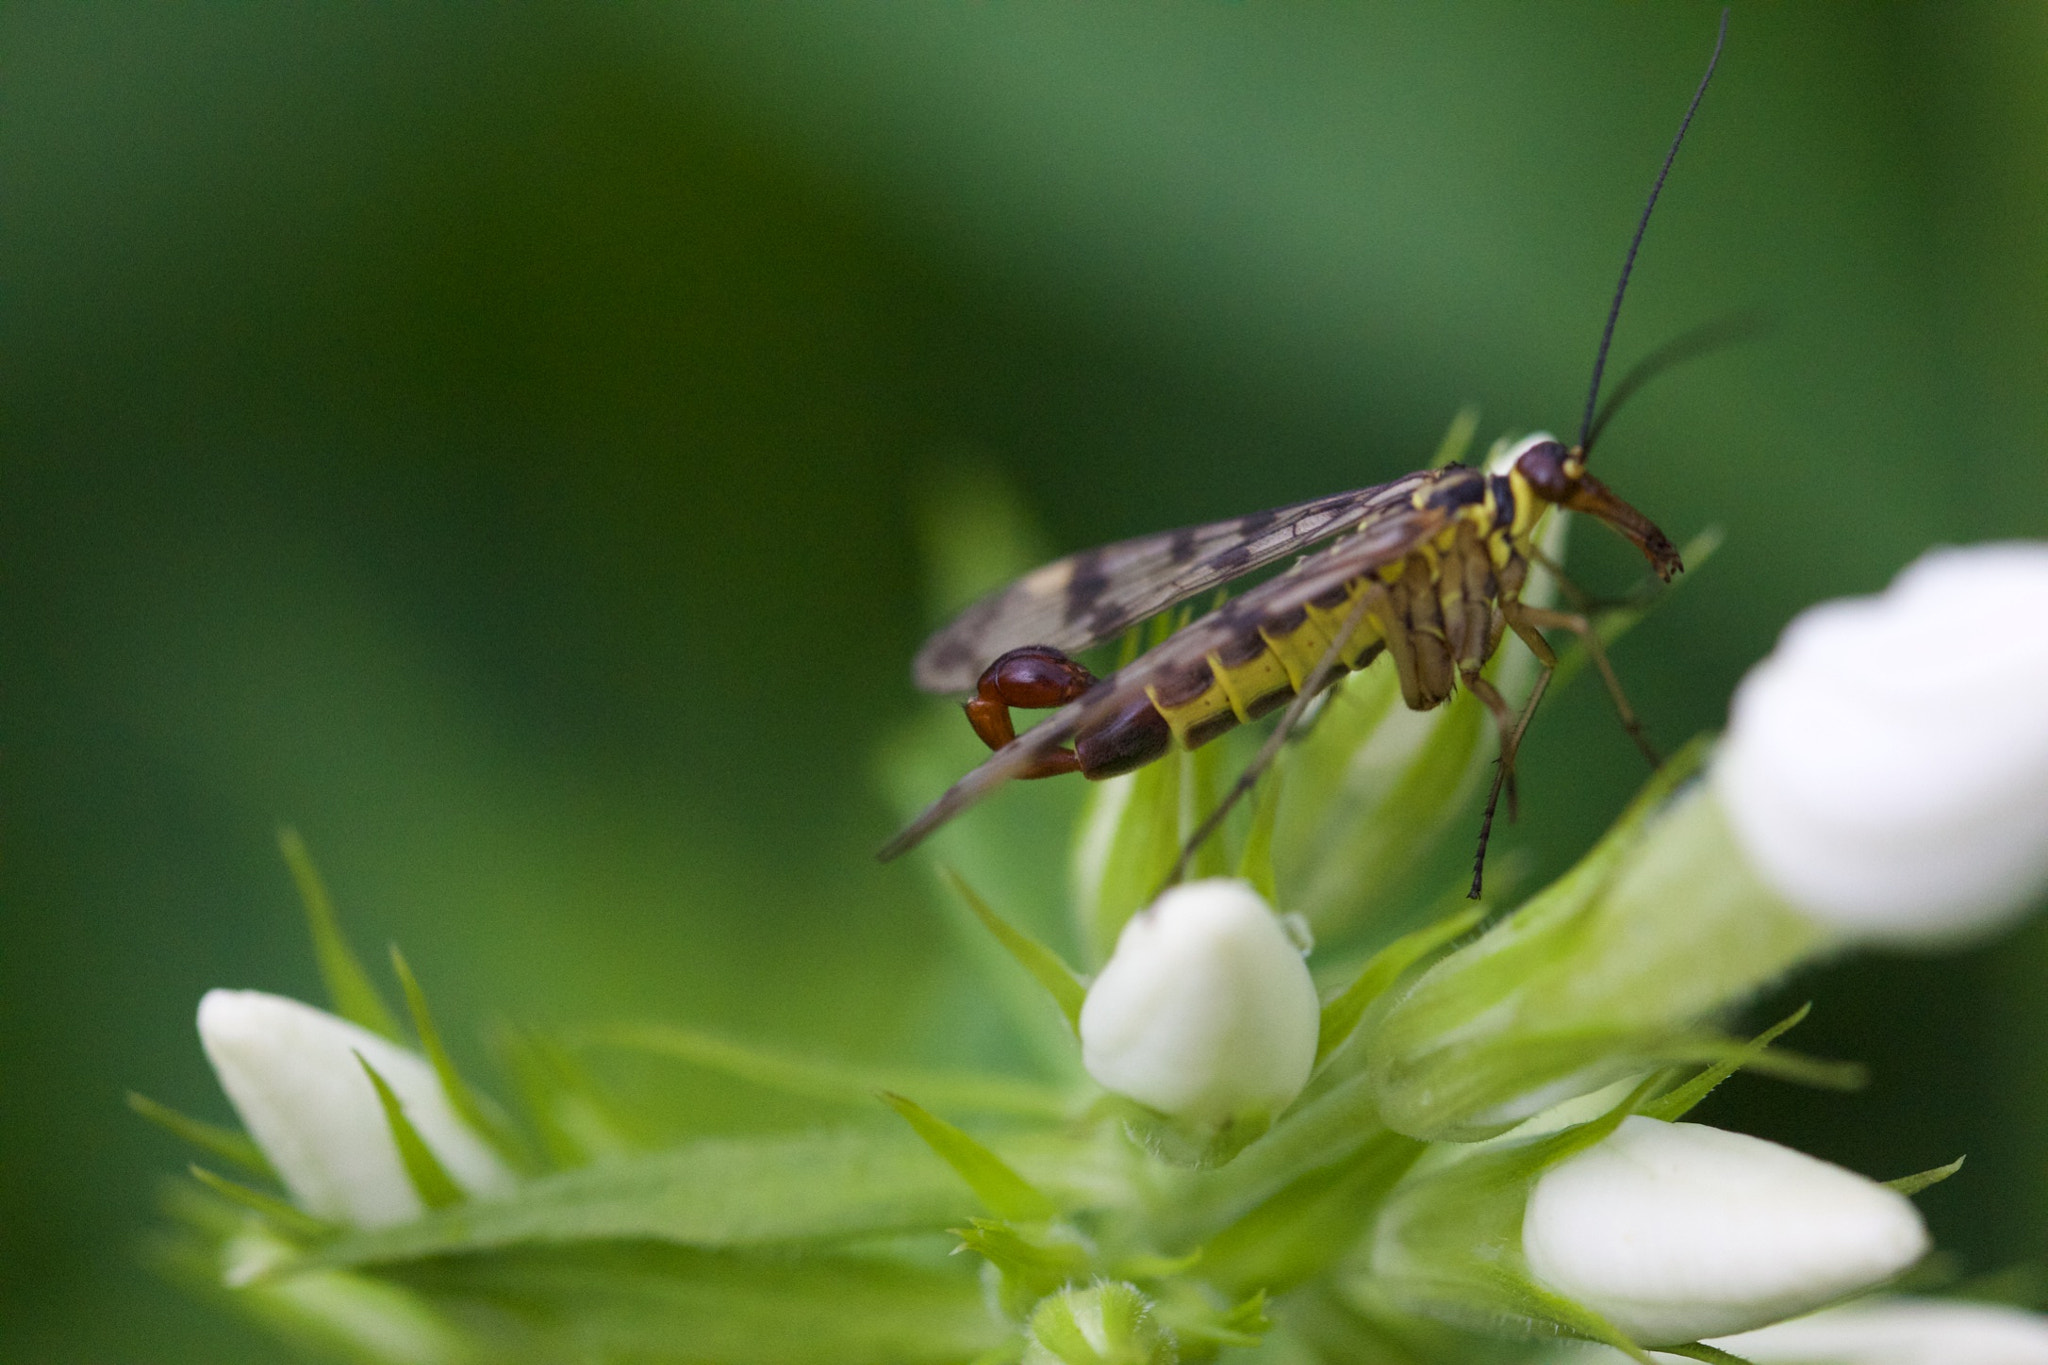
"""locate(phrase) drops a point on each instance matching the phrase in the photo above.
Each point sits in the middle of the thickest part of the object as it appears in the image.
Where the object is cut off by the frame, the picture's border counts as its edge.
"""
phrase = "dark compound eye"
(1543, 465)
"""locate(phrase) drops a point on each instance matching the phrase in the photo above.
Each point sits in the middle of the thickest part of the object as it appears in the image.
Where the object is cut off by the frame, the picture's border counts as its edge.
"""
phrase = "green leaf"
(226, 1143)
(1007, 1194)
(1910, 1185)
(835, 1081)
(1681, 1100)
(479, 1113)
(285, 1218)
(1059, 980)
(731, 1193)
(665, 1305)
(1344, 1010)
(430, 1179)
(349, 988)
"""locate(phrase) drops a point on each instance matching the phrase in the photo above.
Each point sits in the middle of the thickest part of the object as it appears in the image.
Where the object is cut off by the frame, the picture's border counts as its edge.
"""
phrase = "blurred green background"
(492, 439)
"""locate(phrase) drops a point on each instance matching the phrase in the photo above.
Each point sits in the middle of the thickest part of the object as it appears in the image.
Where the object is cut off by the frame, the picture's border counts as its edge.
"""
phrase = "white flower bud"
(1205, 1011)
(1900, 1332)
(1886, 768)
(292, 1074)
(1674, 1231)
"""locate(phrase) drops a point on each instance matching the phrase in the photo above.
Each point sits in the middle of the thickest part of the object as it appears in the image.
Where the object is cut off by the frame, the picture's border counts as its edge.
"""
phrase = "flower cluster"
(1466, 1141)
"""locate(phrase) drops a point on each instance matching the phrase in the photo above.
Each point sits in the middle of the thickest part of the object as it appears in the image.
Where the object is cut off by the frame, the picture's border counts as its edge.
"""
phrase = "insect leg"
(1527, 620)
(1504, 720)
(1510, 744)
(1035, 677)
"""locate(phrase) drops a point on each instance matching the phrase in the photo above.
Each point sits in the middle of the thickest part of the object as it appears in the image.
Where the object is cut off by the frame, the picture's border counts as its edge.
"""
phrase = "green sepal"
(286, 1219)
(430, 1179)
(1006, 1194)
(226, 1143)
(1343, 1011)
(1030, 1265)
(489, 1122)
(1441, 1237)
(1186, 1143)
(1676, 1103)
(1297, 1232)
(349, 988)
(1067, 989)
(1910, 1185)
(839, 1082)
(1123, 1328)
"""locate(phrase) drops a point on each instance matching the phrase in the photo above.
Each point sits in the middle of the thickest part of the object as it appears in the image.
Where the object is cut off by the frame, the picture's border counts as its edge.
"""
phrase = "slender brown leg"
(1539, 618)
(1503, 773)
(1504, 720)
(1036, 678)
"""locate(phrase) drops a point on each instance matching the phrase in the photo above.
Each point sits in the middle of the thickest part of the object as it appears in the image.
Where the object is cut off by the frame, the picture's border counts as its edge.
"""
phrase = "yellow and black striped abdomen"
(1264, 668)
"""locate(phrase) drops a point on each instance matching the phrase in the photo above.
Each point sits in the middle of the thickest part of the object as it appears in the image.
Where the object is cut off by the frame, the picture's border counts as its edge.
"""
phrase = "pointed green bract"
(285, 1218)
(479, 1113)
(430, 1179)
(1255, 864)
(838, 1081)
(228, 1144)
(1344, 1010)
(349, 989)
(1457, 437)
(1007, 1194)
(1676, 1103)
(577, 1124)
(1031, 1266)
(1910, 1185)
(1045, 966)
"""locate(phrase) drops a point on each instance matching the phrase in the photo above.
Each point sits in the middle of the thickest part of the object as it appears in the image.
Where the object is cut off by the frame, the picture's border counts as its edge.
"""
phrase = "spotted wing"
(1090, 597)
(1389, 535)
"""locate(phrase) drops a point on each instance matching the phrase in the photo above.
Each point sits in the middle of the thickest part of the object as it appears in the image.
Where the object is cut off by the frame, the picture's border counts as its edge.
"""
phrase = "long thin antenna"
(1614, 313)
